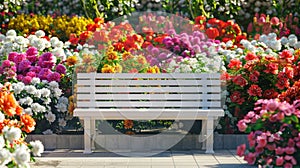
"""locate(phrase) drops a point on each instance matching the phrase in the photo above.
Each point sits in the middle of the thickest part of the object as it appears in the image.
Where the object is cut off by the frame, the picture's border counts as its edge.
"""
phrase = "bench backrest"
(164, 90)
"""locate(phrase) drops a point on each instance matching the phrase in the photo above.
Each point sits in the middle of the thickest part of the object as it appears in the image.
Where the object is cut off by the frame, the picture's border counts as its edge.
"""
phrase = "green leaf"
(294, 119)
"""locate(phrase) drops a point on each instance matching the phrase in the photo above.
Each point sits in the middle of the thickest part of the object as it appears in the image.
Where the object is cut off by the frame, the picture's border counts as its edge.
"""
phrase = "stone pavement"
(167, 159)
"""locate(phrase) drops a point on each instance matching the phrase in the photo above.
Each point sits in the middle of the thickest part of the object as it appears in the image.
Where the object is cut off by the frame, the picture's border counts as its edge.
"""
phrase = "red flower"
(235, 64)
(241, 150)
(200, 19)
(251, 56)
(287, 55)
(254, 76)
(270, 94)
(236, 97)
(272, 68)
(239, 80)
(254, 90)
(212, 33)
(282, 83)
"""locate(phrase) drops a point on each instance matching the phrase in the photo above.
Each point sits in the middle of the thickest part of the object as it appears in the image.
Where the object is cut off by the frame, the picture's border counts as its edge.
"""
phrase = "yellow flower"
(112, 55)
(107, 69)
(126, 55)
(118, 68)
(141, 59)
(153, 69)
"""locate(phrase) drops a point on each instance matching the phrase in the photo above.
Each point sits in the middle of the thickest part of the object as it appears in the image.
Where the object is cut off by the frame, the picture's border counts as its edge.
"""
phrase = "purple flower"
(196, 48)
(162, 56)
(27, 80)
(176, 40)
(171, 32)
(154, 61)
(19, 58)
(46, 64)
(24, 65)
(43, 74)
(35, 69)
(12, 55)
(179, 59)
(54, 77)
(47, 56)
(195, 40)
(155, 51)
(31, 74)
(177, 48)
(32, 51)
(20, 77)
(6, 64)
(32, 58)
(169, 44)
(61, 69)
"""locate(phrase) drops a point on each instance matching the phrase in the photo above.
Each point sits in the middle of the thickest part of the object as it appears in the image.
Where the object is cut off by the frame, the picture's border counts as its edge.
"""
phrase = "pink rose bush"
(273, 134)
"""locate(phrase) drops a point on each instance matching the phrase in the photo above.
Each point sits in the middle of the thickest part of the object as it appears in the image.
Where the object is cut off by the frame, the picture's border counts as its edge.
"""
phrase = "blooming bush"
(14, 125)
(258, 72)
(274, 134)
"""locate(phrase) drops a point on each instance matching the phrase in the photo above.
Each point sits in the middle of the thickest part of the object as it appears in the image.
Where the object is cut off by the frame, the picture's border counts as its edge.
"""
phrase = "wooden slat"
(149, 82)
(149, 89)
(148, 114)
(138, 104)
(149, 96)
(147, 75)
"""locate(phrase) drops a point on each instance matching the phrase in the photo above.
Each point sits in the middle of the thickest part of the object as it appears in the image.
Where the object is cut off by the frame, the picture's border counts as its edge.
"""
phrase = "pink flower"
(289, 150)
(279, 161)
(24, 65)
(275, 21)
(54, 77)
(259, 149)
(32, 51)
(31, 74)
(288, 165)
(19, 58)
(291, 143)
(290, 158)
(272, 105)
(12, 55)
(44, 73)
(250, 158)
(271, 147)
(261, 141)
(280, 116)
(26, 80)
(6, 64)
(279, 151)
(241, 150)
(242, 125)
(61, 69)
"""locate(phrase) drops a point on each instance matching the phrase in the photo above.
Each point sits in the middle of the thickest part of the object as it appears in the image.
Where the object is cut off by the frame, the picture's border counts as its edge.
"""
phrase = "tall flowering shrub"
(274, 134)
(14, 125)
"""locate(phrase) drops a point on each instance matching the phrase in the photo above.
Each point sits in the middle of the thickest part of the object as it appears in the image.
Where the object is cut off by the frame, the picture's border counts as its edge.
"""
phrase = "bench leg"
(202, 136)
(210, 135)
(87, 135)
(93, 133)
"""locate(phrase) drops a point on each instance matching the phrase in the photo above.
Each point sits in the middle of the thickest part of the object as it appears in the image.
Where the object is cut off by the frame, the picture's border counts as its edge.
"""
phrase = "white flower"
(2, 37)
(275, 45)
(2, 142)
(30, 89)
(63, 100)
(40, 33)
(37, 94)
(37, 147)
(22, 156)
(297, 45)
(45, 92)
(35, 80)
(59, 52)
(20, 39)
(47, 100)
(53, 85)
(2, 117)
(18, 87)
(36, 107)
(61, 107)
(48, 132)
(28, 101)
(5, 157)
(28, 111)
(53, 41)
(58, 44)
(11, 33)
(292, 41)
(12, 133)
(284, 40)
(50, 117)
(62, 122)
(292, 36)
(57, 92)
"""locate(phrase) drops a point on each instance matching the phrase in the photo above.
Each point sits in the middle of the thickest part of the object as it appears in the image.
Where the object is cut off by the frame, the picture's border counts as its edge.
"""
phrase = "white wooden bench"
(164, 96)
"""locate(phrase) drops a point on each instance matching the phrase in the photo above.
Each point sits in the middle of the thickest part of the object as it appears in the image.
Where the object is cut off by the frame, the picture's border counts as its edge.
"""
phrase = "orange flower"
(153, 69)
(8, 103)
(29, 123)
(87, 59)
(212, 33)
(72, 60)
(128, 124)
(118, 68)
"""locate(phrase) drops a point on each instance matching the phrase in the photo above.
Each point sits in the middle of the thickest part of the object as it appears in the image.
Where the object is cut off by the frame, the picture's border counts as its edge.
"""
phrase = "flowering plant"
(274, 134)
(259, 73)
(14, 125)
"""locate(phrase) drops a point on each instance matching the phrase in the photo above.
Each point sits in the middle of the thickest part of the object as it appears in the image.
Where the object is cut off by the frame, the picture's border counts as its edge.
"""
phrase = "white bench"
(164, 96)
